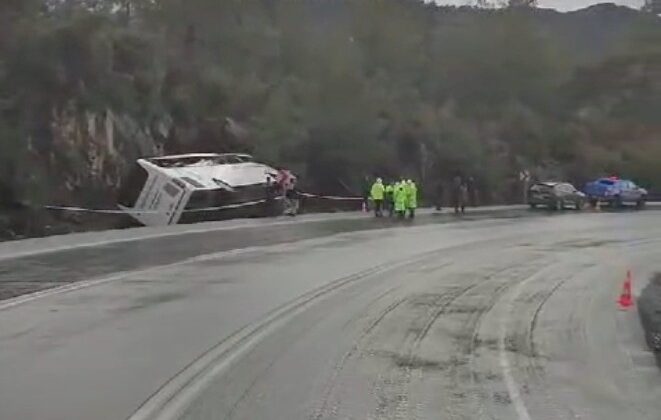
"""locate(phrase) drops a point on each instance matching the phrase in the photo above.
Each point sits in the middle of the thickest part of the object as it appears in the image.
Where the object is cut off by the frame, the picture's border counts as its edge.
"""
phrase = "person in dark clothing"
(471, 191)
(292, 196)
(439, 195)
(459, 193)
(365, 191)
(463, 197)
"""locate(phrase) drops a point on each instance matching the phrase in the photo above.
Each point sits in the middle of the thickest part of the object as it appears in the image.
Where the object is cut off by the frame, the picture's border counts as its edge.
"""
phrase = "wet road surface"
(489, 319)
(28, 271)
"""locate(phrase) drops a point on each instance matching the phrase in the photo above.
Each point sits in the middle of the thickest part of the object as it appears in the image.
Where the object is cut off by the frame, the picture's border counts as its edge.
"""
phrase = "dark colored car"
(555, 195)
(615, 192)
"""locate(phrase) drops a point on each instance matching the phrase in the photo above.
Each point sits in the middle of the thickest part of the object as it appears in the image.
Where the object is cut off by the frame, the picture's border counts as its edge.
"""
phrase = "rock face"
(83, 166)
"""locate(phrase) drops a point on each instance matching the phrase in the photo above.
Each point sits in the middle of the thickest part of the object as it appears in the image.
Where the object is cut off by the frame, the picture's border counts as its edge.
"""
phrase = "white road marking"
(172, 400)
(506, 368)
(10, 303)
(23, 299)
(206, 229)
(512, 387)
(179, 230)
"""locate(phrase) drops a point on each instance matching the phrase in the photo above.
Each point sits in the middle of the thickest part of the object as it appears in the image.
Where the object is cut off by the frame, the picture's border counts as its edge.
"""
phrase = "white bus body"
(181, 189)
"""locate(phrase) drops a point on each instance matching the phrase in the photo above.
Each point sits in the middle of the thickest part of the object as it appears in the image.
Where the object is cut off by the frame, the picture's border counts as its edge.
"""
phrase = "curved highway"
(508, 318)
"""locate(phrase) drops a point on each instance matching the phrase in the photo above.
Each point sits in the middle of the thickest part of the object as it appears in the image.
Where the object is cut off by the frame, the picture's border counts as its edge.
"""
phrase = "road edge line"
(174, 397)
(201, 229)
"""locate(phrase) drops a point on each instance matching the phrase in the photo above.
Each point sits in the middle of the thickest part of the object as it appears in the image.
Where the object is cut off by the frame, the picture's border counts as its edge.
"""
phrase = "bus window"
(171, 190)
(192, 182)
(245, 158)
(233, 159)
(133, 186)
(207, 198)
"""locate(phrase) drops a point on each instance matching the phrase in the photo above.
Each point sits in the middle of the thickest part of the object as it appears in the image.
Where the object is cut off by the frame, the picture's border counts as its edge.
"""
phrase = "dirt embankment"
(649, 307)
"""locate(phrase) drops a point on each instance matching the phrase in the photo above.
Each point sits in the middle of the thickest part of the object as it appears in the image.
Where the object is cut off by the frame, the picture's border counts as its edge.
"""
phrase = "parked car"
(555, 195)
(615, 192)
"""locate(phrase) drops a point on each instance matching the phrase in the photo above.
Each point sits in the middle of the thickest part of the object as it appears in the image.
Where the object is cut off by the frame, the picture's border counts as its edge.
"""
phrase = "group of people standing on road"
(463, 192)
(400, 198)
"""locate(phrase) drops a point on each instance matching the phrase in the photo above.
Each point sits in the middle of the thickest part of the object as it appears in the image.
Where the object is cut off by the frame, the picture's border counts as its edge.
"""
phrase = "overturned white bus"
(194, 187)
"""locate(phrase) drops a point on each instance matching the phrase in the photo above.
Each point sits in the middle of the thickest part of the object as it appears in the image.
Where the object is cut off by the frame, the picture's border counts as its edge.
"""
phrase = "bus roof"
(199, 155)
(200, 159)
(185, 155)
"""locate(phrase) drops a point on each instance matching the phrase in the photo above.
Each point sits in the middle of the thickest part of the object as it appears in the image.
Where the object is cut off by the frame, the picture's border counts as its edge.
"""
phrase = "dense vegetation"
(335, 89)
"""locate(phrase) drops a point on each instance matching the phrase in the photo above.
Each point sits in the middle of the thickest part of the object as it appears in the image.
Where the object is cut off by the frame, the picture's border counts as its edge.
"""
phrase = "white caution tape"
(118, 211)
(104, 211)
(330, 197)
(204, 209)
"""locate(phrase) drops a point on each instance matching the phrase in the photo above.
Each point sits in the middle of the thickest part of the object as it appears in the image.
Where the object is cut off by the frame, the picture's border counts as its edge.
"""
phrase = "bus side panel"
(166, 201)
(152, 197)
(148, 200)
(136, 188)
(180, 206)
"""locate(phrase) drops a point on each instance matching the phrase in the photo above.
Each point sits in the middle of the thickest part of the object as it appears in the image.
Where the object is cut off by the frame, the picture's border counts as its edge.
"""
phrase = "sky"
(567, 5)
(561, 5)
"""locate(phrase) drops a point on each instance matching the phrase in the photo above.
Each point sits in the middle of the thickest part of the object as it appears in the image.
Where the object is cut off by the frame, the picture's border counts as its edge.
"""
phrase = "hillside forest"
(336, 90)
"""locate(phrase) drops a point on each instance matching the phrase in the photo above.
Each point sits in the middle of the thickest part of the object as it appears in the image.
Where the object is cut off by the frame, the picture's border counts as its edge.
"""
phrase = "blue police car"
(615, 192)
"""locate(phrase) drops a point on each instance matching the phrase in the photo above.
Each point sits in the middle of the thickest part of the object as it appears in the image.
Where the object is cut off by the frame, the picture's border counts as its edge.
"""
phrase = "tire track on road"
(323, 410)
(476, 324)
(535, 369)
(515, 343)
(408, 362)
(535, 317)
(407, 359)
(173, 398)
(464, 378)
(404, 360)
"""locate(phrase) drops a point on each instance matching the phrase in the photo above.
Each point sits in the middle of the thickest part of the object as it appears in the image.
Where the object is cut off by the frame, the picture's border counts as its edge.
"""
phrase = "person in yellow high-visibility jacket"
(377, 193)
(411, 198)
(400, 199)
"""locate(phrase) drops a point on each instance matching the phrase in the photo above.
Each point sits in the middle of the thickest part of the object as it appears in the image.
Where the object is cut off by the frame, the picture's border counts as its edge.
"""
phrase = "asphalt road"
(32, 265)
(511, 318)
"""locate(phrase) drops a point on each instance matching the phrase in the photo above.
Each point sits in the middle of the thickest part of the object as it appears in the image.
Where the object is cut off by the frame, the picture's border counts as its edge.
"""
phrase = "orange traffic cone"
(626, 299)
